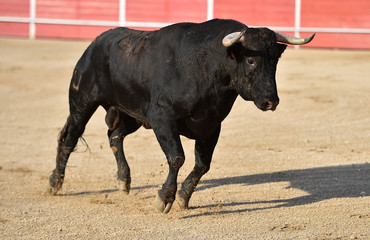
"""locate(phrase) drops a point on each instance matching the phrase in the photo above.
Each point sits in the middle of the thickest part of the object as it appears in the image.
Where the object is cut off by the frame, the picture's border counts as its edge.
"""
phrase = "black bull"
(180, 80)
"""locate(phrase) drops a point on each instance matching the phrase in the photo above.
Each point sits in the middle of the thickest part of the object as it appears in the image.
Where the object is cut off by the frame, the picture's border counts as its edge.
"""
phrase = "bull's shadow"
(319, 183)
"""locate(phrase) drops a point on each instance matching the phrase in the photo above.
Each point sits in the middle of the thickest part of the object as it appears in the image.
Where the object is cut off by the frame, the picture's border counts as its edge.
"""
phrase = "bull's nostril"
(266, 104)
(269, 105)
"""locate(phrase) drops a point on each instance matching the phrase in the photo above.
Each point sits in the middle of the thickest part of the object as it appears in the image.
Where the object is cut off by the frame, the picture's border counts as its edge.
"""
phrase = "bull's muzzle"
(269, 104)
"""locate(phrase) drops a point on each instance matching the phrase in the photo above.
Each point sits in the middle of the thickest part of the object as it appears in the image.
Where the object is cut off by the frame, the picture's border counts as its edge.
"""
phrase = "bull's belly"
(137, 114)
(198, 129)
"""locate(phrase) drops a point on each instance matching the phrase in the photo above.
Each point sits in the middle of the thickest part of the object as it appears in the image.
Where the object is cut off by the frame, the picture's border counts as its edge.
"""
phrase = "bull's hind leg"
(67, 141)
(120, 125)
(203, 157)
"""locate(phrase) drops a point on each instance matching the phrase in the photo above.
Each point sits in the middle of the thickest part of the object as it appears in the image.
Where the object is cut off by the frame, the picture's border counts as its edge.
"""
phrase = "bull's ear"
(280, 48)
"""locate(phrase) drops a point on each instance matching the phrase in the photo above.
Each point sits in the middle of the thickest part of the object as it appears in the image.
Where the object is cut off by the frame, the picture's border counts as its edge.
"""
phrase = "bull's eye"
(251, 61)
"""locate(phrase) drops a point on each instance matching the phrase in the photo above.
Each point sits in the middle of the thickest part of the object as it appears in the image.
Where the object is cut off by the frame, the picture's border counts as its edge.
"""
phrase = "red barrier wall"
(78, 9)
(257, 13)
(14, 8)
(353, 14)
(334, 20)
(166, 11)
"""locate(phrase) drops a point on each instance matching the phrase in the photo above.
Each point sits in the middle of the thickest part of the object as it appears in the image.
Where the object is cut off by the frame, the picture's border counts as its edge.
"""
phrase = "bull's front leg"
(167, 135)
(203, 157)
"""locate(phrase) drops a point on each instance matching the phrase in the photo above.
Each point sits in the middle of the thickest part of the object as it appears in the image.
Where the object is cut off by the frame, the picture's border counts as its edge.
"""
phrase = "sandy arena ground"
(301, 172)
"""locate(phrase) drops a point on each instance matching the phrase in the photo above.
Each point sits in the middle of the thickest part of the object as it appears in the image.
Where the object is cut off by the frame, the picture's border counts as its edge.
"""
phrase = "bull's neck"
(225, 94)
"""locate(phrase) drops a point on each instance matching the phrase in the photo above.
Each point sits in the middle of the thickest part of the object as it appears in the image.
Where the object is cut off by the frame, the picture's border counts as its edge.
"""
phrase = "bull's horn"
(233, 38)
(284, 38)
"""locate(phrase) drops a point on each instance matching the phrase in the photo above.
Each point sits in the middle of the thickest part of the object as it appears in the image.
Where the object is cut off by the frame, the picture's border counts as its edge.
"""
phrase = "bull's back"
(104, 73)
(131, 67)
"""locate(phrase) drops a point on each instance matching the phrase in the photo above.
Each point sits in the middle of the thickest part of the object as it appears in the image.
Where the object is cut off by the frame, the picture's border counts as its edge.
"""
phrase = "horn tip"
(309, 39)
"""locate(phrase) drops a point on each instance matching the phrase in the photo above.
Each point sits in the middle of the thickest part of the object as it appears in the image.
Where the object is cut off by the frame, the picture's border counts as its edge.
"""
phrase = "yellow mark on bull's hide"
(114, 149)
(76, 84)
(115, 137)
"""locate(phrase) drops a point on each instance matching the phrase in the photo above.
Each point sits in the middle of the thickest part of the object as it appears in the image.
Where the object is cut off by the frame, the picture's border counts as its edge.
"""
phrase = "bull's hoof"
(182, 200)
(55, 184)
(124, 186)
(162, 206)
(52, 190)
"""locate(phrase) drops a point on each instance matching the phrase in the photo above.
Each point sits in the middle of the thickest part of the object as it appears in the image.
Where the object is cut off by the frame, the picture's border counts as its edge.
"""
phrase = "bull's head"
(257, 51)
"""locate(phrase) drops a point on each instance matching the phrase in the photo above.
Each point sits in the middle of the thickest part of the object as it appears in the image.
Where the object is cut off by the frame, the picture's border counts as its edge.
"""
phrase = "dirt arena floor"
(301, 172)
